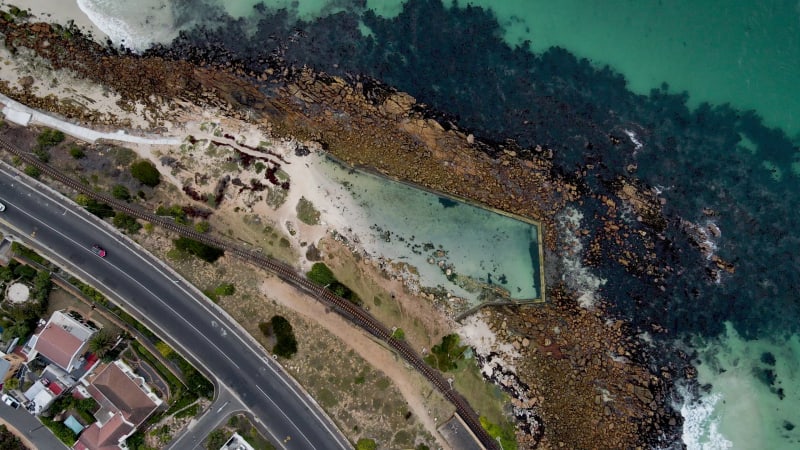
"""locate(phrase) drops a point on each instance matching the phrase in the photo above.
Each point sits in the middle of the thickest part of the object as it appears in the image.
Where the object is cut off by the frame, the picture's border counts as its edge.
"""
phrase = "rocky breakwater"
(583, 378)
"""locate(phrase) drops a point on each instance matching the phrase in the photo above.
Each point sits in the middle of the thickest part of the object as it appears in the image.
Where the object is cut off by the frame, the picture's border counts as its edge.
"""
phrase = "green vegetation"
(322, 275)
(446, 355)
(14, 13)
(285, 342)
(84, 407)
(89, 291)
(399, 334)
(366, 444)
(25, 252)
(189, 411)
(32, 171)
(508, 439)
(195, 381)
(126, 223)
(217, 438)
(225, 289)
(10, 385)
(175, 211)
(76, 152)
(181, 397)
(306, 212)
(101, 343)
(42, 153)
(242, 425)
(120, 192)
(196, 248)
(61, 431)
(99, 209)
(259, 166)
(146, 172)
(49, 138)
(20, 319)
(202, 226)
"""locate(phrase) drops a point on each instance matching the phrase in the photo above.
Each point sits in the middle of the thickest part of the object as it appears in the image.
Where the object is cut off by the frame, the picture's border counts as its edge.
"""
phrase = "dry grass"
(361, 399)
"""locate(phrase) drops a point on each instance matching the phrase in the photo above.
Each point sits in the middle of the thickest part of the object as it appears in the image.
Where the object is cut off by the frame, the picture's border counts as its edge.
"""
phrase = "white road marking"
(313, 409)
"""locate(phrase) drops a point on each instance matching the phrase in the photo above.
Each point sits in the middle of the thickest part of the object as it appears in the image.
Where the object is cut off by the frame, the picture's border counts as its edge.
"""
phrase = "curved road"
(179, 313)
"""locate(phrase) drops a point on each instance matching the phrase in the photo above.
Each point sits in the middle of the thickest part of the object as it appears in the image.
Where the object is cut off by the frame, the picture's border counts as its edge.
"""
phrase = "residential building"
(125, 400)
(63, 340)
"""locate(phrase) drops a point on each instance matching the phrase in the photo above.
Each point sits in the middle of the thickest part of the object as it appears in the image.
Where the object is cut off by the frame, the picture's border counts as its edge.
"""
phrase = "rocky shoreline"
(573, 355)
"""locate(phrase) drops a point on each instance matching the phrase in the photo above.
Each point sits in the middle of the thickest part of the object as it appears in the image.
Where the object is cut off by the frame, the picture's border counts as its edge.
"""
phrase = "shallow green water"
(433, 234)
(746, 53)
(747, 412)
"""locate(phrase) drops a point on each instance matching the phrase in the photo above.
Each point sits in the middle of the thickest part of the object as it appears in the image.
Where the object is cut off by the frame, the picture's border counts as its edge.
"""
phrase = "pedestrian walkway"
(23, 115)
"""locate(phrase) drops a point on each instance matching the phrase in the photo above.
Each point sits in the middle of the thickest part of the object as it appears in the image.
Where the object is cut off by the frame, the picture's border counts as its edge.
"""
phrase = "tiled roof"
(123, 393)
(58, 345)
(104, 437)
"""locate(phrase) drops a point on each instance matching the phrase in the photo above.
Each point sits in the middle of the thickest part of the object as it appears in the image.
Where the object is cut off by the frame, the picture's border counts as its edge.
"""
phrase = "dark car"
(99, 251)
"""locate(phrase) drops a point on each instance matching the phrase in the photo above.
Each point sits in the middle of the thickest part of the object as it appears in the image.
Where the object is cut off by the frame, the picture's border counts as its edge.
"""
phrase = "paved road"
(174, 310)
(31, 428)
(197, 430)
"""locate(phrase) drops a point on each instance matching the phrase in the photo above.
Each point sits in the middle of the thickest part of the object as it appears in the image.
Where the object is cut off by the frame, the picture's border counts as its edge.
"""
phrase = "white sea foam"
(136, 25)
(578, 277)
(701, 426)
(754, 395)
(632, 136)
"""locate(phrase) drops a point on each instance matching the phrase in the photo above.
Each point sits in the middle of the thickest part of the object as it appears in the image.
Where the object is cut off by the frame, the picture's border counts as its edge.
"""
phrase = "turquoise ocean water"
(742, 53)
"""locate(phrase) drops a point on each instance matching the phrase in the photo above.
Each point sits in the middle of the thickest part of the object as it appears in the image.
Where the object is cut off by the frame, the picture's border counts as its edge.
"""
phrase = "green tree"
(8, 441)
(41, 286)
(32, 171)
(120, 192)
(49, 138)
(399, 334)
(202, 251)
(101, 343)
(286, 343)
(321, 274)
(445, 355)
(99, 209)
(11, 384)
(26, 272)
(18, 329)
(366, 444)
(76, 152)
(127, 223)
(146, 172)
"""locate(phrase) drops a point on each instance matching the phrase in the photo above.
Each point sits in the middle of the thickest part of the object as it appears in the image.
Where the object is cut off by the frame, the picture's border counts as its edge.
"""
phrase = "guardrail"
(288, 274)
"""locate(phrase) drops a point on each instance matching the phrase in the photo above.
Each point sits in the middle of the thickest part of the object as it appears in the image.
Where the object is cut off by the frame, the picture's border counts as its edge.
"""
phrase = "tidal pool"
(463, 248)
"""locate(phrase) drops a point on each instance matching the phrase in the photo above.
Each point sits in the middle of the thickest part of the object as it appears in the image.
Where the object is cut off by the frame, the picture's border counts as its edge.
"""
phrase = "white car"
(2, 207)
(10, 401)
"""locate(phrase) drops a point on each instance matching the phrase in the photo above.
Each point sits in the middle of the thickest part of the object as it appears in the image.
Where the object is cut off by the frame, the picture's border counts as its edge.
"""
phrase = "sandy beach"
(59, 11)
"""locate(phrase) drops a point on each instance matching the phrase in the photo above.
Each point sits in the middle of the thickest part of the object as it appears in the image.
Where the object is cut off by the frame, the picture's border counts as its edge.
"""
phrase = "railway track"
(288, 274)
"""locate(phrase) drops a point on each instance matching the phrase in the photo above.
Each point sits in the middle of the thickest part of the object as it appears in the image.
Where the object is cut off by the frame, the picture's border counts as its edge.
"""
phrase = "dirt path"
(412, 386)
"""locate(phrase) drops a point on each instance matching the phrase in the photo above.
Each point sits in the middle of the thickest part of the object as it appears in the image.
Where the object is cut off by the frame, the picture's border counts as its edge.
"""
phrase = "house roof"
(113, 387)
(105, 437)
(58, 345)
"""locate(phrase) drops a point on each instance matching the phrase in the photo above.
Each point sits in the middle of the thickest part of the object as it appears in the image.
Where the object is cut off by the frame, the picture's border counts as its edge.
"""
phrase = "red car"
(99, 251)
